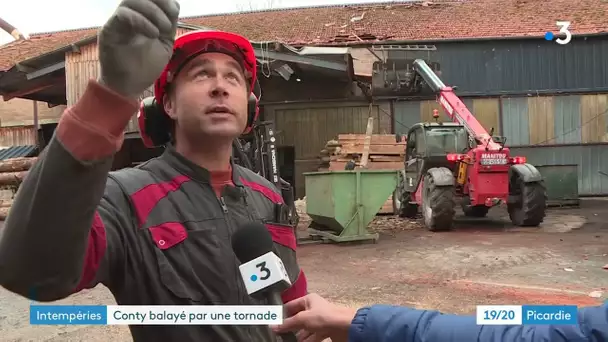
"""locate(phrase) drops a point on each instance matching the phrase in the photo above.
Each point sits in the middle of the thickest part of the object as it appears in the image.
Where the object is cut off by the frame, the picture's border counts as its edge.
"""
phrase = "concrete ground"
(484, 261)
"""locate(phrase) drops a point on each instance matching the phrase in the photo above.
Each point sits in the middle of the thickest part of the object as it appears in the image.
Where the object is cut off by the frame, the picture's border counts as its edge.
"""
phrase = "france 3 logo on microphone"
(264, 273)
(564, 34)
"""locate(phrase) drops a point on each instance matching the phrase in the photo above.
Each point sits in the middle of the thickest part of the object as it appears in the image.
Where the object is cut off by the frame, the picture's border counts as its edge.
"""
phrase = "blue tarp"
(18, 151)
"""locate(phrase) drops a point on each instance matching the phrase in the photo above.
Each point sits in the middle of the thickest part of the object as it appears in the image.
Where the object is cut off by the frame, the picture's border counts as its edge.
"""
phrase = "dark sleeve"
(63, 230)
(383, 323)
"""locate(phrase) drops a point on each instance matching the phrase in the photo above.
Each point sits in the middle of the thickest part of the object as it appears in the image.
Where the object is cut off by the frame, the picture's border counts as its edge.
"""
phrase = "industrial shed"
(548, 100)
(535, 92)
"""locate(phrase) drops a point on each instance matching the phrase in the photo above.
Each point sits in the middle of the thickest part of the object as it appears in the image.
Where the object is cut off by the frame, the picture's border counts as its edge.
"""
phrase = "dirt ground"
(484, 261)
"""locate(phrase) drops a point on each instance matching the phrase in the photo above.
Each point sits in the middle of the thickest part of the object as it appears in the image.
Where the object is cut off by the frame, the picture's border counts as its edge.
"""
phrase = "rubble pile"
(393, 224)
(301, 210)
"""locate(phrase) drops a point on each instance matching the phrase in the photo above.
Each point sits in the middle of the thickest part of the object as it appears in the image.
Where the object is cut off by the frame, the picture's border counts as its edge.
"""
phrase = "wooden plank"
(387, 207)
(4, 213)
(338, 166)
(373, 149)
(373, 157)
(17, 164)
(380, 158)
(541, 120)
(12, 178)
(593, 118)
(377, 139)
(368, 140)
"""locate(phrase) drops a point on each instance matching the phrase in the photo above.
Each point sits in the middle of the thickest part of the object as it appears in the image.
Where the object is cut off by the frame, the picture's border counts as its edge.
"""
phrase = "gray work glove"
(136, 43)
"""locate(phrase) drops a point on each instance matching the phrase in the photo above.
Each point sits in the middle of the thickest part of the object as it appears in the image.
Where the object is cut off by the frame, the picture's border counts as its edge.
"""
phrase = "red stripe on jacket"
(96, 249)
(148, 197)
(285, 236)
(264, 190)
(297, 290)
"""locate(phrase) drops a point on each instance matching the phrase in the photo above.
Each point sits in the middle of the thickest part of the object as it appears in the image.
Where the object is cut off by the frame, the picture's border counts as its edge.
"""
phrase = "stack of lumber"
(12, 173)
(385, 153)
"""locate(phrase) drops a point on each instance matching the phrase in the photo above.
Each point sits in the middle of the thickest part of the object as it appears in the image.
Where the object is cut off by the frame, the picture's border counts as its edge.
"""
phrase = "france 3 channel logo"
(526, 314)
(565, 36)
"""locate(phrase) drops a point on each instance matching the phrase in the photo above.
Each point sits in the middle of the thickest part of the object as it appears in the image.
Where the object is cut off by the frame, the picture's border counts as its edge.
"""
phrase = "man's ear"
(169, 106)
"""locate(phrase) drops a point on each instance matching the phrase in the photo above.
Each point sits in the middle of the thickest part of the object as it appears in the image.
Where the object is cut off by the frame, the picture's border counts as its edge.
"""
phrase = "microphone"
(262, 271)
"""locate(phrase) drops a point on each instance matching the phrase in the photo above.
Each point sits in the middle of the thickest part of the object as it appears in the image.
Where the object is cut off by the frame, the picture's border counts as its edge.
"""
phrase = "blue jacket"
(383, 323)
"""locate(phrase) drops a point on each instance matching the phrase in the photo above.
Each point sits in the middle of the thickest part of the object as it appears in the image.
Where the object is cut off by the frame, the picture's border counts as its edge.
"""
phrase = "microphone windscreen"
(250, 241)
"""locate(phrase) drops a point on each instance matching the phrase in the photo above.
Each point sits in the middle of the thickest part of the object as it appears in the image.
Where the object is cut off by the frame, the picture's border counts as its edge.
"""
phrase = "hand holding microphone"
(263, 271)
(316, 319)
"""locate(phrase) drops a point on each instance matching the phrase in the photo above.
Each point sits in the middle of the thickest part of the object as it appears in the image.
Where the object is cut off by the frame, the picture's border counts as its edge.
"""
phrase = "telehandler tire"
(529, 208)
(438, 203)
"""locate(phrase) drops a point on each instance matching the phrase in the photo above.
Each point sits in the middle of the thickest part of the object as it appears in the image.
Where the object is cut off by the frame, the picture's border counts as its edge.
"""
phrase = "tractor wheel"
(529, 202)
(438, 204)
(475, 211)
(401, 201)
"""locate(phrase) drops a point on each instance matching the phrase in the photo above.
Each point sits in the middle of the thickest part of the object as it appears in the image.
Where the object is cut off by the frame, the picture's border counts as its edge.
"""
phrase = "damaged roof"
(39, 44)
(370, 23)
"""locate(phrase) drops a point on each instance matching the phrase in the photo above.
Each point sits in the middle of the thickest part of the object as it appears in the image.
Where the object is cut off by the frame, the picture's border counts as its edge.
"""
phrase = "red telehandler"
(447, 163)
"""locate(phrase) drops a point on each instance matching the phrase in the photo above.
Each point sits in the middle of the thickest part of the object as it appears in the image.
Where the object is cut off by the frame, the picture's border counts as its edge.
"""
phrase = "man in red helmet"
(159, 233)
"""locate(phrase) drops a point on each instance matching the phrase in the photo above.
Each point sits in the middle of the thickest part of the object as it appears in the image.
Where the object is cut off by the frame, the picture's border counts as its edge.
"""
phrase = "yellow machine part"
(462, 173)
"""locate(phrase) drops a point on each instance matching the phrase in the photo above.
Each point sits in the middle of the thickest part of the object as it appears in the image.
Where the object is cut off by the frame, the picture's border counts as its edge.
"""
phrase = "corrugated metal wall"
(590, 160)
(554, 120)
(408, 113)
(308, 126)
(534, 120)
(594, 118)
(512, 67)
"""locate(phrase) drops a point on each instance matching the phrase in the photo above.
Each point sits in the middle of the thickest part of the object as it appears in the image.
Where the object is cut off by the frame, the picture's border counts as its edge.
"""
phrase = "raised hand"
(136, 43)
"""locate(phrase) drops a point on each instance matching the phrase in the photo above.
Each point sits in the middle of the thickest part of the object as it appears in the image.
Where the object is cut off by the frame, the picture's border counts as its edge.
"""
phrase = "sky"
(31, 16)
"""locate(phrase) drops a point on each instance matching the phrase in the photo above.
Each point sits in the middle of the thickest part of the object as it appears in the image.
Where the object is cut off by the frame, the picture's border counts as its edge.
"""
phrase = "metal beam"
(45, 71)
(301, 60)
(34, 89)
(24, 68)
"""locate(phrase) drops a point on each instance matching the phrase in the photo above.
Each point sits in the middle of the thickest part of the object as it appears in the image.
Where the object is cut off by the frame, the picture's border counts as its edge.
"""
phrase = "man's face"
(209, 98)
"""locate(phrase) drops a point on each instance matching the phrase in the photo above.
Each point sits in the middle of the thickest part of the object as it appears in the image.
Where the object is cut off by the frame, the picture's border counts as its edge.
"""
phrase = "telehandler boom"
(447, 163)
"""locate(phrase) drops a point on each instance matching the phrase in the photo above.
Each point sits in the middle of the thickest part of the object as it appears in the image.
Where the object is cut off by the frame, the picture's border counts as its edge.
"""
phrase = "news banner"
(155, 315)
(260, 315)
(526, 314)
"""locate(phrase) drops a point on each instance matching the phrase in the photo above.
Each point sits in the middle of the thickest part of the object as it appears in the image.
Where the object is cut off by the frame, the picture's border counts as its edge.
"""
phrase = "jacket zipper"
(239, 293)
(223, 204)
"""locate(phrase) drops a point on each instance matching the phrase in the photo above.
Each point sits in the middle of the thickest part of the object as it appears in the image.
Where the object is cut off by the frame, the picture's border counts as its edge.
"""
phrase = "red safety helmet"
(152, 119)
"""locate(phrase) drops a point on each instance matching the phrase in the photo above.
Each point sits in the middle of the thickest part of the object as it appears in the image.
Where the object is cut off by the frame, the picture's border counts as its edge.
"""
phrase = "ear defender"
(253, 107)
(253, 111)
(153, 123)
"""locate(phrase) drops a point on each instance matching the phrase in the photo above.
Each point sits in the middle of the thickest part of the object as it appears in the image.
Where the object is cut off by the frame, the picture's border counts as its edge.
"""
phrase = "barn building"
(549, 100)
